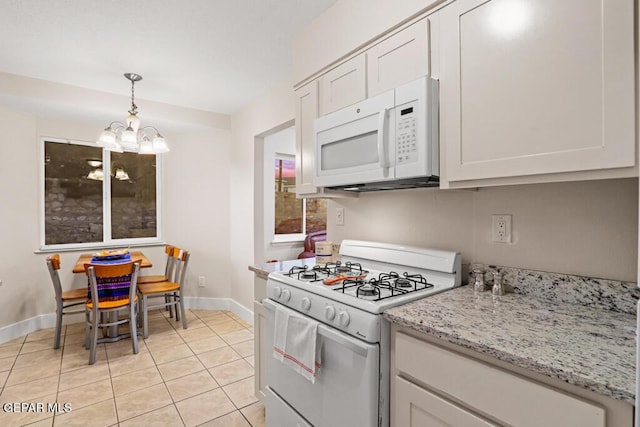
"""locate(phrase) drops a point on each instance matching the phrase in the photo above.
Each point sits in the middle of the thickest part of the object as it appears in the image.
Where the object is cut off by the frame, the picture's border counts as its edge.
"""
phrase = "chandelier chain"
(134, 107)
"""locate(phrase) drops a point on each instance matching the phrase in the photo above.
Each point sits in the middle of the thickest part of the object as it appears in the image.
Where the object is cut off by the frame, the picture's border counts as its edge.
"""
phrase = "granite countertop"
(263, 270)
(589, 347)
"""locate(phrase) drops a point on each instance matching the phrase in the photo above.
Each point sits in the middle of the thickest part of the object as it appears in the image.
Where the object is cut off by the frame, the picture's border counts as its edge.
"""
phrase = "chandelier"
(131, 137)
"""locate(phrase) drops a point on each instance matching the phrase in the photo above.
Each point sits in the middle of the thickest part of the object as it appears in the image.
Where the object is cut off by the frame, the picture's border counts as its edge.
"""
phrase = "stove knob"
(329, 312)
(277, 292)
(286, 295)
(343, 319)
(306, 304)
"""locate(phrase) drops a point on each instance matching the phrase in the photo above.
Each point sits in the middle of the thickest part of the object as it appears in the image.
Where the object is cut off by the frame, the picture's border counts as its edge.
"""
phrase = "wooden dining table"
(86, 259)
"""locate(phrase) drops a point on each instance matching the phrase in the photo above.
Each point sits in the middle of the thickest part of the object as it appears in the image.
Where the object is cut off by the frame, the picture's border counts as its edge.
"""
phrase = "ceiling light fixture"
(131, 137)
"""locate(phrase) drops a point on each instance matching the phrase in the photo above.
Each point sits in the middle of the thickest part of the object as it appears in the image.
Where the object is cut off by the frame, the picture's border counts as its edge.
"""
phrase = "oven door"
(346, 391)
(355, 145)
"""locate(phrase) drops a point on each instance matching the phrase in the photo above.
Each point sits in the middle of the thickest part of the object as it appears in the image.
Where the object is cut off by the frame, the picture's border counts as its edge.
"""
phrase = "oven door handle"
(352, 344)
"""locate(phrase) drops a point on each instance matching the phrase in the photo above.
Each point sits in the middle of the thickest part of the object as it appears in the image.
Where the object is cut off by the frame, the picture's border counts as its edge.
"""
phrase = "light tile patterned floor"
(202, 375)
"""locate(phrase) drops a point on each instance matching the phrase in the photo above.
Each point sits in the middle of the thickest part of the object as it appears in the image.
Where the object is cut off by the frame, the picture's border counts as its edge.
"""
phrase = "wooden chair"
(65, 300)
(168, 269)
(171, 289)
(112, 289)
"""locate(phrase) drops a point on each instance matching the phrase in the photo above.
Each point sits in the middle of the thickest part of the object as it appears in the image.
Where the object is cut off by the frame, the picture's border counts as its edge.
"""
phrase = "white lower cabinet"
(418, 407)
(435, 386)
(259, 323)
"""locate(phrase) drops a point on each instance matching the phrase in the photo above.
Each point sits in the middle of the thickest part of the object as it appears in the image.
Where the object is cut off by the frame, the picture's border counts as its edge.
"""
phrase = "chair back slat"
(182, 260)
(168, 249)
(53, 265)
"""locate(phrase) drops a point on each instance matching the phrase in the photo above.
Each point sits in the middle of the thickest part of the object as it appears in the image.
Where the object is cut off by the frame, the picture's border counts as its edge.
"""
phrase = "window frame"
(107, 240)
(290, 237)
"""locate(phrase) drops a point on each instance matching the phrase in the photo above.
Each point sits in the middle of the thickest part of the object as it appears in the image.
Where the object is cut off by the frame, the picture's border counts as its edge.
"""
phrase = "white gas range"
(348, 298)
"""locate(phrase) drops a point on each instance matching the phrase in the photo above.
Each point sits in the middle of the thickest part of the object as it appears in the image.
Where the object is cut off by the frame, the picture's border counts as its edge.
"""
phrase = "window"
(93, 197)
(294, 216)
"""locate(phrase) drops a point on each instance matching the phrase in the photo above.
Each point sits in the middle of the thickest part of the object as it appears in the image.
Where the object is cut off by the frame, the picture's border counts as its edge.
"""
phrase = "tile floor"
(200, 376)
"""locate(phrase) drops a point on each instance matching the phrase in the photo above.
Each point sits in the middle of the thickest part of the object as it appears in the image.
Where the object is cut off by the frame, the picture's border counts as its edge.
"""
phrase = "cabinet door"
(260, 349)
(343, 86)
(399, 59)
(481, 388)
(306, 106)
(536, 86)
(414, 406)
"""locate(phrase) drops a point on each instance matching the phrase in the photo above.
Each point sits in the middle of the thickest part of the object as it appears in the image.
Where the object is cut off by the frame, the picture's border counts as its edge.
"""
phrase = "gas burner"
(403, 283)
(337, 268)
(367, 291)
(321, 270)
(307, 275)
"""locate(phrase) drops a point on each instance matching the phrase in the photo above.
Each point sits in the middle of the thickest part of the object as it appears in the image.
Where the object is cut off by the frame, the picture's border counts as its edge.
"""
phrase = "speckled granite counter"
(585, 346)
(263, 270)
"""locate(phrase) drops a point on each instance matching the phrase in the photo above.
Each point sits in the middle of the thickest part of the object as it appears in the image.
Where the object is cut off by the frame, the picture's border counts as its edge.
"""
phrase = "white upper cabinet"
(306, 111)
(398, 59)
(532, 87)
(343, 86)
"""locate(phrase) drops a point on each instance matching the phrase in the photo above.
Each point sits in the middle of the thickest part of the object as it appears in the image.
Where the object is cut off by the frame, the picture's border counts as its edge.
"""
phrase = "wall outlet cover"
(501, 228)
(339, 216)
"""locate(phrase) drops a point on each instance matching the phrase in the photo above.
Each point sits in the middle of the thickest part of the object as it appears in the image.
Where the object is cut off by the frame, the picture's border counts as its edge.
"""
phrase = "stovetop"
(375, 276)
(352, 279)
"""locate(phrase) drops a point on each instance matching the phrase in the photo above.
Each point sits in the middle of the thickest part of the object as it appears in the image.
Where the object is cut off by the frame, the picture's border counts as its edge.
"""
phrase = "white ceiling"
(213, 55)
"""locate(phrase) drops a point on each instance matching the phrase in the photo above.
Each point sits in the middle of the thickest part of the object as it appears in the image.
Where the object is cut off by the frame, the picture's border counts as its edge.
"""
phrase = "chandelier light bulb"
(146, 147)
(160, 145)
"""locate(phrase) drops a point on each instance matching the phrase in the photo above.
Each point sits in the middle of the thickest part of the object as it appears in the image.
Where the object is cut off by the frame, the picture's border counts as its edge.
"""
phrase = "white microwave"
(386, 142)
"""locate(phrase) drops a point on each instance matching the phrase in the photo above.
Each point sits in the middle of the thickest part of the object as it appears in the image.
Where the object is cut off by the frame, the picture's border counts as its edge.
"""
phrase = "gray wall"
(583, 228)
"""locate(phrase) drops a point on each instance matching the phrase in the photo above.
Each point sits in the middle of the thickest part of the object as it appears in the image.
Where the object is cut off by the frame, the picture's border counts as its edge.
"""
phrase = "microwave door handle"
(382, 140)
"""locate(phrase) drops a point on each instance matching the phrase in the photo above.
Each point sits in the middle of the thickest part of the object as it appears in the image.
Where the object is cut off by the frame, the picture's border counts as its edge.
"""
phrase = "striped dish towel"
(295, 343)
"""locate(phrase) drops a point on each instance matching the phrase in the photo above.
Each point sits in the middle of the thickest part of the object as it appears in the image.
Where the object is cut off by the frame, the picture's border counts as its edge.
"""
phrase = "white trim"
(44, 321)
(198, 303)
(288, 238)
(19, 329)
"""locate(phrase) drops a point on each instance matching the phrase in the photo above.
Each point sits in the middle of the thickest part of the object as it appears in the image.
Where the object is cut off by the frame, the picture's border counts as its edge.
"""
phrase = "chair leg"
(184, 318)
(87, 330)
(174, 296)
(145, 318)
(133, 327)
(56, 338)
(94, 339)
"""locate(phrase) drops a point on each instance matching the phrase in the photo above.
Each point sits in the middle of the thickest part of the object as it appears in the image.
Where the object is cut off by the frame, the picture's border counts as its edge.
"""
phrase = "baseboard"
(19, 329)
(44, 321)
(219, 304)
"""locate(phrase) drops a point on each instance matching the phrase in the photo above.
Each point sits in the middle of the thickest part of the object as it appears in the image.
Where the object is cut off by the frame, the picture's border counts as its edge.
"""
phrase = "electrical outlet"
(339, 216)
(501, 228)
(201, 282)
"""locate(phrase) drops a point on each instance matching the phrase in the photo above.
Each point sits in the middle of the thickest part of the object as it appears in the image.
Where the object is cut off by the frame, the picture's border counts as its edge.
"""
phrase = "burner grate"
(385, 286)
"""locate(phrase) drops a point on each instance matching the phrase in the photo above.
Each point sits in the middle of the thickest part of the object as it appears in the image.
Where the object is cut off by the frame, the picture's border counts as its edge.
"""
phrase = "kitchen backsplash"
(591, 292)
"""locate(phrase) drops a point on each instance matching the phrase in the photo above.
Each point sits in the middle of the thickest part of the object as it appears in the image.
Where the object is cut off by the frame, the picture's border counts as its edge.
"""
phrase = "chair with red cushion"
(310, 243)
